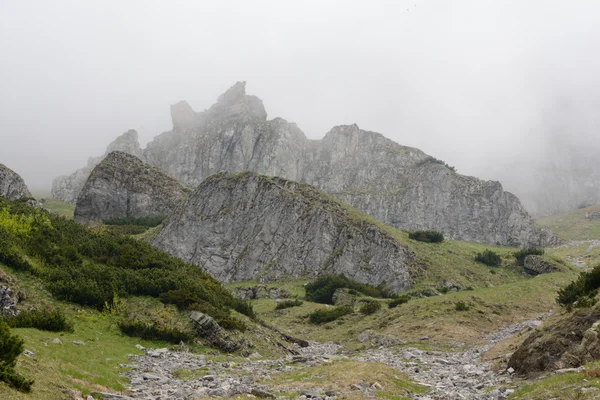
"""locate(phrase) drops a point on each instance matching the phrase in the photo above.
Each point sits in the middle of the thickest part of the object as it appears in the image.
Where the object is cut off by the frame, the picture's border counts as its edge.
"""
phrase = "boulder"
(123, 186)
(535, 265)
(67, 188)
(343, 297)
(208, 329)
(12, 185)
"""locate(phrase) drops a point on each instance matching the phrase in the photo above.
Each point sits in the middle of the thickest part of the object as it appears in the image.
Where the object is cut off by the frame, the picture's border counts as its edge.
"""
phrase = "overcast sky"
(476, 83)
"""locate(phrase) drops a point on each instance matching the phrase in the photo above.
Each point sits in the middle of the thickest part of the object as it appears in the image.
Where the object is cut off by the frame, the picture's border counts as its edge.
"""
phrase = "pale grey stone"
(123, 186)
(12, 185)
(247, 226)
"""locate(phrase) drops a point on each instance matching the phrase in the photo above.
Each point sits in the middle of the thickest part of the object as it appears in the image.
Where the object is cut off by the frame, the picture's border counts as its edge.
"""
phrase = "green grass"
(490, 309)
(573, 225)
(340, 375)
(66, 210)
(560, 387)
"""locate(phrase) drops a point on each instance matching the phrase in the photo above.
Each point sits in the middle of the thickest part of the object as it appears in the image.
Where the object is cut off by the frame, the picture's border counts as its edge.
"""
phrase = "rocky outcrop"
(12, 185)
(124, 186)
(208, 329)
(343, 297)
(248, 226)
(398, 185)
(535, 265)
(566, 343)
(401, 186)
(260, 292)
(67, 188)
(593, 215)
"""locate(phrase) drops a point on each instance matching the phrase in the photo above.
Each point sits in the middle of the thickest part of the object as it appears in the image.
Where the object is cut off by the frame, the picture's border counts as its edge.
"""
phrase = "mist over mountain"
(486, 86)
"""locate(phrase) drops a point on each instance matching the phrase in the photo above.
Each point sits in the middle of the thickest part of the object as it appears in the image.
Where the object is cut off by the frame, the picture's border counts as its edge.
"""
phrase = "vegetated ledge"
(249, 226)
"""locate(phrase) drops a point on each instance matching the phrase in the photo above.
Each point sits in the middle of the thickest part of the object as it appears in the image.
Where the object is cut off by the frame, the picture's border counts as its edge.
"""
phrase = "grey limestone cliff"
(122, 186)
(249, 226)
(399, 185)
(67, 188)
(12, 185)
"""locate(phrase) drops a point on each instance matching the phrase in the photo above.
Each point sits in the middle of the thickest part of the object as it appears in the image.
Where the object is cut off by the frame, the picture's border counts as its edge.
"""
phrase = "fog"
(495, 88)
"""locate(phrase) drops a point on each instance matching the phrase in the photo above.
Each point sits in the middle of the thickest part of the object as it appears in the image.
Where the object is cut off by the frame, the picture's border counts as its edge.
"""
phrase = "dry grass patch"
(339, 376)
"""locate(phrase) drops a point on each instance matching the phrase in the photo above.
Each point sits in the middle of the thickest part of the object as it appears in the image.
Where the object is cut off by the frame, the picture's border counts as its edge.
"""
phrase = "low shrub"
(426, 236)
(149, 222)
(401, 299)
(488, 257)
(127, 229)
(322, 289)
(521, 254)
(444, 289)
(147, 331)
(581, 292)
(45, 320)
(370, 307)
(461, 306)
(11, 346)
(324, 315)
(287, 304)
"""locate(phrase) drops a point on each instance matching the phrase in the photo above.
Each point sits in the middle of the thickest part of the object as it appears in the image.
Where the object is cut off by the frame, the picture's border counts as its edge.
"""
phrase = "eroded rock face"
(566, 343)
(398, 185)
(12, 185)
(122, 186)
(248, 226)
(67, 188)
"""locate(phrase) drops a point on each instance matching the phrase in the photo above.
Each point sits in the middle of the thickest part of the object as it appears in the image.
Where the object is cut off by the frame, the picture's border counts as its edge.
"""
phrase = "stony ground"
(164, 374)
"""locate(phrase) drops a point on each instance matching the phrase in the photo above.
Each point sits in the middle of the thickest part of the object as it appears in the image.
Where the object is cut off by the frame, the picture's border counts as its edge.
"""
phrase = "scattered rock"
(79, 342)
(57, 341)
(28, 353)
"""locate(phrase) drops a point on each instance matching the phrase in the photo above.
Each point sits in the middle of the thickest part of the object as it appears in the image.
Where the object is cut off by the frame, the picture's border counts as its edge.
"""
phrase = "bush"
(11, 346)
(521, 254)
(327, 315)
(461, 306)
(401, 299)
(287, 304)
(147, 331)
(45, 320)
(370, 307)
(581, 292)
(127, 229)
(488, 257)
(426, 236)
(91, 266)
(148, 222)
(322, 289)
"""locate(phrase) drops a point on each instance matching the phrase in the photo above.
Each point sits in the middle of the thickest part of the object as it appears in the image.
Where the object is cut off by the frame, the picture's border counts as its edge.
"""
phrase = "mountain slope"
(249, 226)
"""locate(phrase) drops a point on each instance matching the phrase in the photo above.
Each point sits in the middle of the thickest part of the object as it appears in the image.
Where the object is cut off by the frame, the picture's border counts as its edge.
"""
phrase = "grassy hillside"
(59, 207)
(573, 225)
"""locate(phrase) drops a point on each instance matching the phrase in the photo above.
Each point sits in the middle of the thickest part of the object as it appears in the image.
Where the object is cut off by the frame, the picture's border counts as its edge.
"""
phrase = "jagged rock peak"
(233, 104)
(250, 226)
(123, 186)
(12, 185)
(67, 188)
